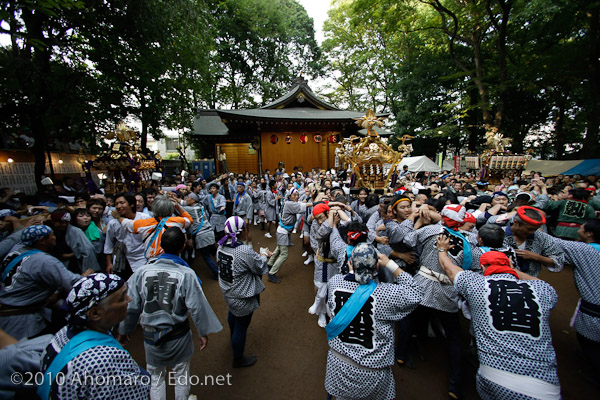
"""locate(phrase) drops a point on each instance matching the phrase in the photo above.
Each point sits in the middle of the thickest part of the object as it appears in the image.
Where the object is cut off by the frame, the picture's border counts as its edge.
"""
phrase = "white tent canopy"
(448, 165)
(419, 163)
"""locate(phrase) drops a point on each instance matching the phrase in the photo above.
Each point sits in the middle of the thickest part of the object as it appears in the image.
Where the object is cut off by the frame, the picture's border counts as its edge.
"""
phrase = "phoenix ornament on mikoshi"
(369, 121)
(373, 161)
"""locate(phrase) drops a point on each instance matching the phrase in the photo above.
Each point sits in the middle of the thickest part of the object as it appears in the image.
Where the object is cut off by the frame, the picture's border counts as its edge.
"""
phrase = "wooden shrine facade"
(296, 130)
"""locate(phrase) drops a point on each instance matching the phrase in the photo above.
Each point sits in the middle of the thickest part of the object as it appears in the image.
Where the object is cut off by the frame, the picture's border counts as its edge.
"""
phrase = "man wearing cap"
(482, 187)
(289, 215)
(534, 248)
(440, 298)
(240, 278)
(73, 248)
(584, 255)
(84, 360)
(511, 318)
(30, 276)
(162, 294)
(361, 332)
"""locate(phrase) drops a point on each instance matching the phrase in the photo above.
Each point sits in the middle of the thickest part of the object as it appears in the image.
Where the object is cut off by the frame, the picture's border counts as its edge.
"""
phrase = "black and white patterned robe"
(539, 243)
(512, 328)
(439, 296)
(240, 277)
(360, 358)
(586, 261)
(99, 361)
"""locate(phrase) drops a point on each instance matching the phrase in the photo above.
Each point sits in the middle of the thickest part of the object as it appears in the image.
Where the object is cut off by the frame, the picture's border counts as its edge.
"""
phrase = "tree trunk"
(559, 131)
(503, 78)
(484, 101)
(144, 133)
(40, 57)
(472, 122)
(590, 144)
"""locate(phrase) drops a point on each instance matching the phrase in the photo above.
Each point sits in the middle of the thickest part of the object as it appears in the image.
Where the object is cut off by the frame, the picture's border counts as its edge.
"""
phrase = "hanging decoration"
(333, 139)
(303, 139)
(274, 139)
(288, 139)
(318, 138)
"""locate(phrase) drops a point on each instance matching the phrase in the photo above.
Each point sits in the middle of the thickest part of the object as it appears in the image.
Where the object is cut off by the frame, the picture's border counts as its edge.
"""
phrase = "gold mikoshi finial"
(369, 121)
(122, 133)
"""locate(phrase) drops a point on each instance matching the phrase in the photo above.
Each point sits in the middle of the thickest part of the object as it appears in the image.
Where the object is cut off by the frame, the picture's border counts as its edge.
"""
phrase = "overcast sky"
(317, 10)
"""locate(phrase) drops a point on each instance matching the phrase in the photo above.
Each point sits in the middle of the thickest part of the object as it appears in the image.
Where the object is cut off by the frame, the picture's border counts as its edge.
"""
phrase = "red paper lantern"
(333, 139)
(318, 138)
(303, 139)
(288, 139)
(274, 139)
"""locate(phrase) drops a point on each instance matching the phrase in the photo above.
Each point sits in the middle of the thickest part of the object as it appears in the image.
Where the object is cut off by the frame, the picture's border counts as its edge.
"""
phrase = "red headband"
(494, 258)
(528, 220)
(319, 208)
(470, 218)
(497, 263)
(353, 235)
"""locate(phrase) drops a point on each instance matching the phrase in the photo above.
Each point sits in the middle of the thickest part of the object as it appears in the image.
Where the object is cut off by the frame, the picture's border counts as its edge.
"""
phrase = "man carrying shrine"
(584, 255)
(511, 318)
(534, 248)
(289, 215)
(30, 276)
(361, 332)
(440, 299)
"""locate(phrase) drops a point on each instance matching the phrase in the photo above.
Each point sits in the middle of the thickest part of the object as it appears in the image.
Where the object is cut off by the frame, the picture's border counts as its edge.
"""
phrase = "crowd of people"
(390, 269)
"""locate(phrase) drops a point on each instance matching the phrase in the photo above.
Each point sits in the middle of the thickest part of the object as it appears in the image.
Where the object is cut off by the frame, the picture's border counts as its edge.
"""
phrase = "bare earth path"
(292, 349)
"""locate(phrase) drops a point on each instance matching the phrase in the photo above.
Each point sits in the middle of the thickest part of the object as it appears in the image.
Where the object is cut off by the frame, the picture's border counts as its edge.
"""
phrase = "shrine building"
(296, 130)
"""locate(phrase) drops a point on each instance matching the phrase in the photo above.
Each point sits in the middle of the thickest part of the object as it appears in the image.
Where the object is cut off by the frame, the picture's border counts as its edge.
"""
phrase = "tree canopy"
(74, 68)
(449, 70)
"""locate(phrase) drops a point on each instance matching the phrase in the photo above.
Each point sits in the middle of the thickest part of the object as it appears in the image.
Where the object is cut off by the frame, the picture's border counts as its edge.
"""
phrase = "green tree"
(260, 47)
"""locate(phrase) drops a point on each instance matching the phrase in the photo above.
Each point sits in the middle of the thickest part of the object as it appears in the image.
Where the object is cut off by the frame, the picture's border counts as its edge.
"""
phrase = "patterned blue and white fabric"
(586, 274)
(511, 323)
(540, 243)
(7, 213)
(364, 262)
(98, 364)
(33, 233)
(368, 342)
(440, 296)
(240, 277)
(88, 292)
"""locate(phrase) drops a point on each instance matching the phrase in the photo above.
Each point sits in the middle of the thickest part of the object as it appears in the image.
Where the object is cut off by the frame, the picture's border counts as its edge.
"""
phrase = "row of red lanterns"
(304, 139)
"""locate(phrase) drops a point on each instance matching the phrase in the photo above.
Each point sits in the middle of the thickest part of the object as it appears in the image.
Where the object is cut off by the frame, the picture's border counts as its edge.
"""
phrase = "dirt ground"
(292, 348)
